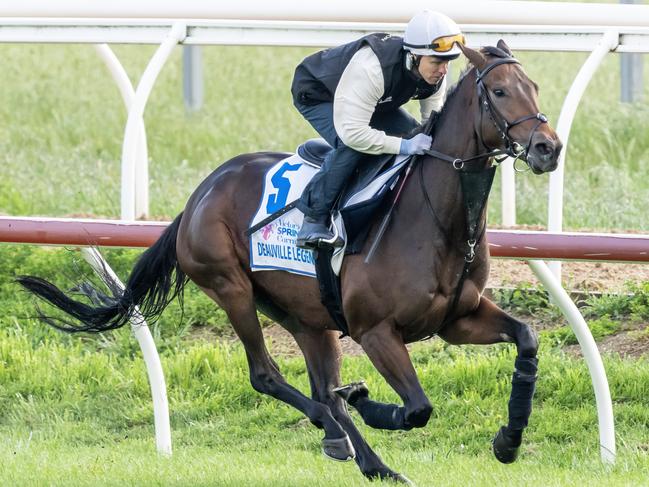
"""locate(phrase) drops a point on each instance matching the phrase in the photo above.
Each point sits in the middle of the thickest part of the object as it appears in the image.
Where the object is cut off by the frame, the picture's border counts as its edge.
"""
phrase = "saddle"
(356, 210)
(314, 151)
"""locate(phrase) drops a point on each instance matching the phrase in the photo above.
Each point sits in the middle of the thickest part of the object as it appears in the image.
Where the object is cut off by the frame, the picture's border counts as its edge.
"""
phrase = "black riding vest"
(318, 75)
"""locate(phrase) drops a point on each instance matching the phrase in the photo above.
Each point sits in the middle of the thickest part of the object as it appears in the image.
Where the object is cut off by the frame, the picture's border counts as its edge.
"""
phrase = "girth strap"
(475, 192)
(476, 186)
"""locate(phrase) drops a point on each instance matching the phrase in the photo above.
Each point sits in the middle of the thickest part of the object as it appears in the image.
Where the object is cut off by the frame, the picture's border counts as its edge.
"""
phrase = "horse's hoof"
(352, 392)
(506, 445)
(402, 479)
(339, 449)
(383, 473)
(390, 476)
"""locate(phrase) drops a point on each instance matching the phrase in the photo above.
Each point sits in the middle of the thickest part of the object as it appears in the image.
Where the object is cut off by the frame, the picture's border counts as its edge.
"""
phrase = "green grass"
(131, 462)
(73, 417)
(605, 314)
(599, 328)
(63, 121)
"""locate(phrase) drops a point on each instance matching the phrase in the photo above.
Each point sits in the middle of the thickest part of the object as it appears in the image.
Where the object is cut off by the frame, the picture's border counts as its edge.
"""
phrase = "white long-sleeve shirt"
(360, 88)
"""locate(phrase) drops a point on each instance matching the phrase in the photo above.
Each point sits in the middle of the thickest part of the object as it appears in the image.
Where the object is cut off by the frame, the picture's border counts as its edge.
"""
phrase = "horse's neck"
(454, 136)
(455, 130)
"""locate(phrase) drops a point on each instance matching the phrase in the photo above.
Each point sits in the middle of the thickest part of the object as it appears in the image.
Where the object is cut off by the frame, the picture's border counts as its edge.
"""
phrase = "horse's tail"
(150, 288)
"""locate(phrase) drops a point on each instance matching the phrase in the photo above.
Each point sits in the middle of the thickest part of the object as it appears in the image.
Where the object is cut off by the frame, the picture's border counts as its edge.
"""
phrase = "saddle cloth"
(272, 247)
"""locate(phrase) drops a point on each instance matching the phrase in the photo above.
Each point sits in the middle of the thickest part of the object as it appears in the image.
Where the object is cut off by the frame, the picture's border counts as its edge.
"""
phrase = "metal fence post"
(631, 65)
(192, 78)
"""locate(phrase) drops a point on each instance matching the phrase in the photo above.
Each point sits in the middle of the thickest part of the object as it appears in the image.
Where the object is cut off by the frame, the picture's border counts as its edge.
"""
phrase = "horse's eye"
(499, 93)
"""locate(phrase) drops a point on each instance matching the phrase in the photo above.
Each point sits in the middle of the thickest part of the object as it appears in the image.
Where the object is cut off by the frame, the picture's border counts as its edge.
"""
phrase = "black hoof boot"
(352, 392)
(506, 445)
(339, 449)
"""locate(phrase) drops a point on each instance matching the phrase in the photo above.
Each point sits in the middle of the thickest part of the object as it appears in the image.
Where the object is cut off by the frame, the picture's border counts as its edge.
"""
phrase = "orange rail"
(502, 243)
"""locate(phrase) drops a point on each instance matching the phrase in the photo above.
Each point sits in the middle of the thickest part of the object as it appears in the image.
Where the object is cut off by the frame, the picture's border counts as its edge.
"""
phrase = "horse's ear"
(476, 58)
(501, 44)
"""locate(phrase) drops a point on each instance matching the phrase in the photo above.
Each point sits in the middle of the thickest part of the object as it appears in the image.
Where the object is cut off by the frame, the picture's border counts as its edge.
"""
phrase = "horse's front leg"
(385, 348)
(489, 324)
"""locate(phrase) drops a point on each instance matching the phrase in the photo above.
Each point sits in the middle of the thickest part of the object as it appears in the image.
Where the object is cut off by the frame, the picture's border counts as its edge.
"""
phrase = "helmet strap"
(412, 62)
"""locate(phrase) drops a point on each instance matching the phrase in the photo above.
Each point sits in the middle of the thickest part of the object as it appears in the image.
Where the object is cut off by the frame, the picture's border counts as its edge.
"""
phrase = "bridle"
(512, 148)
(503, 126)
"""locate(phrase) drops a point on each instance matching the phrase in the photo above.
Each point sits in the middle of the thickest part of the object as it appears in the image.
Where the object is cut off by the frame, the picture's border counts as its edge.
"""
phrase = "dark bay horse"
(388, 302)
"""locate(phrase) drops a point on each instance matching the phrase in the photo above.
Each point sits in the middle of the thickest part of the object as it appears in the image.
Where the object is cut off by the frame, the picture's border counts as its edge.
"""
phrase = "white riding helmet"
(433, 34)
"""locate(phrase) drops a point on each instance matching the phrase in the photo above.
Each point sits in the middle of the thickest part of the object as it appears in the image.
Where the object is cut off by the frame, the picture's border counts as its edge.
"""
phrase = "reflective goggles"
(441, 44)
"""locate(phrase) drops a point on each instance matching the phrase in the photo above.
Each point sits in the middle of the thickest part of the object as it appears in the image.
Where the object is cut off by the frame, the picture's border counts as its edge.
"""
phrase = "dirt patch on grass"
(631, 341)
(577, 276)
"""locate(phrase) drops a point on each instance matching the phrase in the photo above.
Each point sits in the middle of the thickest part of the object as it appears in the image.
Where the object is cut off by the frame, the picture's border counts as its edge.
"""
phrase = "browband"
(509, 60)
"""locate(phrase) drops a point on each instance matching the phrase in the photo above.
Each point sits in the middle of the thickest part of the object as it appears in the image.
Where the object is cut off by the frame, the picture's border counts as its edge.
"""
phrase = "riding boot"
(314, 233)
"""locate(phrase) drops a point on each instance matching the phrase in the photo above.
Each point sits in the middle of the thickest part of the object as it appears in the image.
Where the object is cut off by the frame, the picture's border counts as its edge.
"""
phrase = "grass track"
(130, 462)
(89, 418)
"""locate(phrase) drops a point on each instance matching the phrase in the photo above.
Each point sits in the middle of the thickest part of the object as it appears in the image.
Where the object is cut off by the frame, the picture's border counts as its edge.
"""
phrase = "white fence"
(463, 11)
(595, 28)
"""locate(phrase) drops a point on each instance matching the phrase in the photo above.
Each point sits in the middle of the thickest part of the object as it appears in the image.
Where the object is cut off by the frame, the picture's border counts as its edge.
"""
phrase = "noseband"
(512, 148)
(503, 126)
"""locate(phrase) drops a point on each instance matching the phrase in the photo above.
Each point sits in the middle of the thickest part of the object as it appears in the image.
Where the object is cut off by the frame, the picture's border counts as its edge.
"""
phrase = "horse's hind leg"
(489, 324)
(321, 349)
(232, 290)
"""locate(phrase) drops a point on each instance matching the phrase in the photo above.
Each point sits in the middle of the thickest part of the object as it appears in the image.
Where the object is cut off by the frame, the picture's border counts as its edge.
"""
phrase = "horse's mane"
(488, 52)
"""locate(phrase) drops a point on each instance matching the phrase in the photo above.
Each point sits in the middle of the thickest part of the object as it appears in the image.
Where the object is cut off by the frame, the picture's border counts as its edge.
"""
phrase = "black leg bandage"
(382, 416)
(523, 385)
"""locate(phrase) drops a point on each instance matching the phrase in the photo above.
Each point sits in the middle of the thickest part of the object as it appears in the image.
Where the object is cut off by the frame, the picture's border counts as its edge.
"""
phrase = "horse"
(388, 302)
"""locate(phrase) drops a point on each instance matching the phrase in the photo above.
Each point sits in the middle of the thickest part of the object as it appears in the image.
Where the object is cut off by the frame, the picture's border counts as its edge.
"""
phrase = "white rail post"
(149, 352)
(609, 41)
(591, 355)
(508, 192)
(101, 267)
(128, 95)
(177, 34)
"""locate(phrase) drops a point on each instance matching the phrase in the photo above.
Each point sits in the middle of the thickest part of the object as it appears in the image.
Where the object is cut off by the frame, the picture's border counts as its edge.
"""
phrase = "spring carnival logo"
(267, 231)
(286, 230)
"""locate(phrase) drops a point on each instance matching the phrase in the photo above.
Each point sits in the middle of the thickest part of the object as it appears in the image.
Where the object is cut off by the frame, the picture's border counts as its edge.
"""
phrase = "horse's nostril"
(544, 148)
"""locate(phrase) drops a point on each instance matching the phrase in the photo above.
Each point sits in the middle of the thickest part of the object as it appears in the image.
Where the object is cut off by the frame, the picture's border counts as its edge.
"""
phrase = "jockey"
(352, 96)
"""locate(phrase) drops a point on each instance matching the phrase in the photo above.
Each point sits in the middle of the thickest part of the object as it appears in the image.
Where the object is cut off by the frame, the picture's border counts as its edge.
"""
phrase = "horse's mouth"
(540, 167)
(535, 170)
